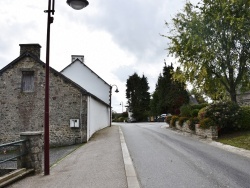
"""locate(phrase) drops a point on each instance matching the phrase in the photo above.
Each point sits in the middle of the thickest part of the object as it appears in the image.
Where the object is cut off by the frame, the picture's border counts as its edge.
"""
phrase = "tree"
(169, 94)
(212, 43)
(138, 96)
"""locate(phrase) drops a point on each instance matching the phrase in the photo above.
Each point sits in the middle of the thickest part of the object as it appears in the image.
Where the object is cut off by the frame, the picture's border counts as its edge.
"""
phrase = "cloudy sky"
(116, 37)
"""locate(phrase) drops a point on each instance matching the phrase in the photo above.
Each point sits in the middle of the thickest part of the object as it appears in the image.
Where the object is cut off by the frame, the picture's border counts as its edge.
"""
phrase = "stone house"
(243, 99)
(22, 101)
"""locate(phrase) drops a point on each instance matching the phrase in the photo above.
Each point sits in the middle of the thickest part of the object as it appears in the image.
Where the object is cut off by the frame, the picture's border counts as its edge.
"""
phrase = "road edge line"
(132, 179)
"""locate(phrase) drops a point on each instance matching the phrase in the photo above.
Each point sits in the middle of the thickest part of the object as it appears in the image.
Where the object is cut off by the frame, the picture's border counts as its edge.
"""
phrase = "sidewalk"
(97, 164)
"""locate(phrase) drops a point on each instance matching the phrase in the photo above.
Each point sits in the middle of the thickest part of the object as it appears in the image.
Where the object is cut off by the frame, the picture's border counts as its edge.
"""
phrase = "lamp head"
(116, 90)
(78, 4)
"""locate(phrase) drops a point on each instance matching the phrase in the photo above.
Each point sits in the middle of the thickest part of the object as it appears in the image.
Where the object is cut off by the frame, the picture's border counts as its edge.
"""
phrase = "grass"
(237, 139)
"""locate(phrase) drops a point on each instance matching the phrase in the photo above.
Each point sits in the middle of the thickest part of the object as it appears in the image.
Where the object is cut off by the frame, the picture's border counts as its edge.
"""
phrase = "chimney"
(79, 57)
(32, 48)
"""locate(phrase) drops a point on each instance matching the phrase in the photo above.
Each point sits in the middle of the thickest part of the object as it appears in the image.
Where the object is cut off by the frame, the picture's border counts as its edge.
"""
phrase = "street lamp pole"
(75, 4)
(122, 106)
(110, 97)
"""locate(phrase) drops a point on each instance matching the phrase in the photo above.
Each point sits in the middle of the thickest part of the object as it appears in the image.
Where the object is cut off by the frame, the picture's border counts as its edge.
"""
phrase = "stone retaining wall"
(33, 148)
(184, 127)
(211, 133)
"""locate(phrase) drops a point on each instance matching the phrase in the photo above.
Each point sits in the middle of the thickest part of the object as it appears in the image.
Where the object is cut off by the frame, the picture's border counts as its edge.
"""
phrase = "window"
(27, 81)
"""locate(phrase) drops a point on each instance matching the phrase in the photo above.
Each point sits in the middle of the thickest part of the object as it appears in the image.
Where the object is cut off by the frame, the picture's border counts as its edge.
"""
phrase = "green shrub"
(191, 123)
(206, 123)
(194, 112)
(168, 119)
(244, 123)
(185, 110)
(199, 106)
(201, 113)
(182, 120)
(173, 121)
(226, 115)
(121, 119)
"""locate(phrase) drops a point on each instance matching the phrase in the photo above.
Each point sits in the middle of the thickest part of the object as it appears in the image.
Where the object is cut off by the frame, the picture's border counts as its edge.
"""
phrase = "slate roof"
(29, 54)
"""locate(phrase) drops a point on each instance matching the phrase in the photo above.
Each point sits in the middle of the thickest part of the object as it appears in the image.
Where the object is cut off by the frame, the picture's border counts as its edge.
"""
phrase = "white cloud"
(116, 37)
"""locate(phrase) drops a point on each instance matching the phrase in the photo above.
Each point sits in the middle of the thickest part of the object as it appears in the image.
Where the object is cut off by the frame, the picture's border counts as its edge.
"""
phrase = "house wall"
(243, 99)
(98, 116)
(88, 80)
(20, 112)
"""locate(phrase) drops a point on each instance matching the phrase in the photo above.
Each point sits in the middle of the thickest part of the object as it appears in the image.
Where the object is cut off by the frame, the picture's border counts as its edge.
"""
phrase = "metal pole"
(46, 108)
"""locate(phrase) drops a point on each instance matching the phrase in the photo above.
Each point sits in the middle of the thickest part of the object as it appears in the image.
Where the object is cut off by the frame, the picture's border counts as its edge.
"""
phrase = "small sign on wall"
(74, 123)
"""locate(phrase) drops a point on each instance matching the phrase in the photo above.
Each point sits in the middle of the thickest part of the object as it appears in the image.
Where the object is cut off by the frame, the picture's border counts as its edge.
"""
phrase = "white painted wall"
(87, 79)
(98, 113)
(98, 116)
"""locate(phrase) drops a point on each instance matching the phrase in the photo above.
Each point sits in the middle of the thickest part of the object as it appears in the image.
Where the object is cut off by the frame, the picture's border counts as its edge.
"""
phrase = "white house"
(98, 113)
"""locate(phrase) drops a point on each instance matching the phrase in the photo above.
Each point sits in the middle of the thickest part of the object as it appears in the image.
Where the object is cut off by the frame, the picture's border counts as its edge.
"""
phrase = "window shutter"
(28, 81)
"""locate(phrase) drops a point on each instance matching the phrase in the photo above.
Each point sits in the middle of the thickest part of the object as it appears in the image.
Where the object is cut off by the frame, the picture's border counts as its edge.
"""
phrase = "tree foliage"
(169, 94)
(198, 95)
(212, 43)
(138, 96)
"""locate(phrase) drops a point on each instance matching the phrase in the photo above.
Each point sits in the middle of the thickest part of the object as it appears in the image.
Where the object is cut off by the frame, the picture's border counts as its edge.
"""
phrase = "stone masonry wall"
(22, 111)
(184, 127)
(33, 149)
(211, 133)
(243, 99)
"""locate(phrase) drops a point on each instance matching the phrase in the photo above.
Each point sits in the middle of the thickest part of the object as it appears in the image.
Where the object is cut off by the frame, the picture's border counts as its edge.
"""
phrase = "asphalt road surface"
(165, 158)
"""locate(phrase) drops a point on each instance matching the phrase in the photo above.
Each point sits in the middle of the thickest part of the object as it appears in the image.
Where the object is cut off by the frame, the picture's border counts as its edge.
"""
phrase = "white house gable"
(78, 72)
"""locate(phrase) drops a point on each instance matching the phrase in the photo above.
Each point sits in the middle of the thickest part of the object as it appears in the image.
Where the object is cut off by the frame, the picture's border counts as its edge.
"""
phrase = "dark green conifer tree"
(169, 94)
(138, 96)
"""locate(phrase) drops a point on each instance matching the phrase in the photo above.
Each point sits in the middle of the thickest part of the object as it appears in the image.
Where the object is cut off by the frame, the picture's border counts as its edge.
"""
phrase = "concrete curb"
(239, 151)
(129, 167)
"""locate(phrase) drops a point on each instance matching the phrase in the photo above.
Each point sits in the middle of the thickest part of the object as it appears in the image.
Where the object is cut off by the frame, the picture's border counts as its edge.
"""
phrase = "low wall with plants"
(184, 127)
(211, 120)
(210, 132)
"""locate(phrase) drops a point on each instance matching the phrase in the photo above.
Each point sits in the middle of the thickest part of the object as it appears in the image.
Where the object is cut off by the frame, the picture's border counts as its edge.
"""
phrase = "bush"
(168, 119)
(201, 113)
(194, 112)
(120, 119)
(182, 120)
(199, 106)
(206, 123)
(225, 114)
(244, 123)
(191, 123)
(173, 121)
(185, 110)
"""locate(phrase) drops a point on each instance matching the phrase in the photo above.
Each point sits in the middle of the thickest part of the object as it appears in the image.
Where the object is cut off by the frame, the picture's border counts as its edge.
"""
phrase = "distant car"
(162, 117)
(131, 120)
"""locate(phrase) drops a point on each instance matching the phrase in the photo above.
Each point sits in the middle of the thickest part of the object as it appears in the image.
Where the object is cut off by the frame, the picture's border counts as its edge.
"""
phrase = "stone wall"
(184, 127)
(243, 99)
(33, 150)
(211, 133)
(24, 111)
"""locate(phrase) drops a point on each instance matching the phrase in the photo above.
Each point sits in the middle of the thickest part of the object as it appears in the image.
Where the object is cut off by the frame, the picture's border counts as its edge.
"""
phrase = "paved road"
(164, 158)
